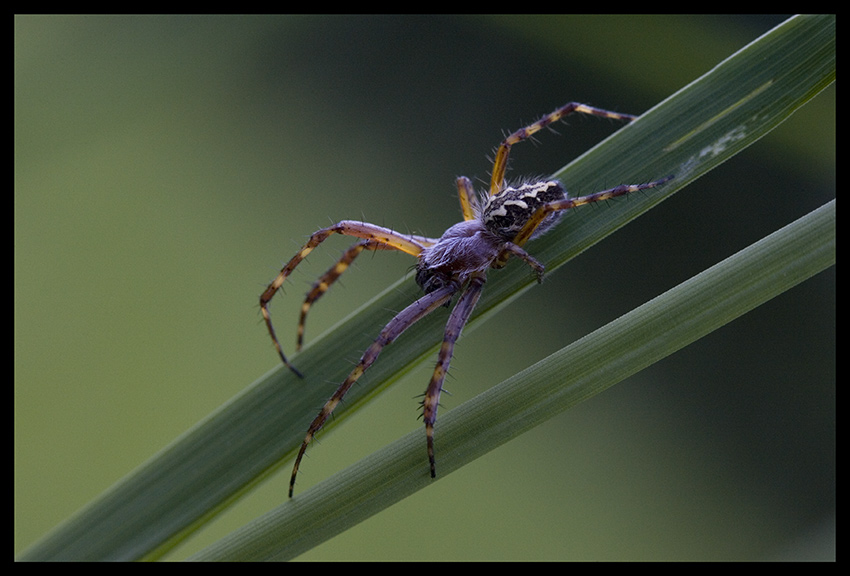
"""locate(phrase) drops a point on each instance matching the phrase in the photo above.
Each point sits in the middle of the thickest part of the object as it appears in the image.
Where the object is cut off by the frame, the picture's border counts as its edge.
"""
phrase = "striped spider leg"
(495, 226)
(373, 237)
(468, 203)
(327, 279)
(500, 164)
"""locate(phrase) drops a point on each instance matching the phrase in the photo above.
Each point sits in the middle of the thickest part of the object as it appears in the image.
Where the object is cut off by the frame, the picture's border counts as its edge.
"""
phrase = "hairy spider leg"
(324, 282)
(468, 201)
(334, 272)
(402, 321)
(528, 229)
(457, 320)
(512, 248)
(500, 164)
(387, 238)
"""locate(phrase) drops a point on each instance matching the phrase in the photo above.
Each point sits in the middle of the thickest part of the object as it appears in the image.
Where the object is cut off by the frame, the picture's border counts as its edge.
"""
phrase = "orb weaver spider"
(495, 227)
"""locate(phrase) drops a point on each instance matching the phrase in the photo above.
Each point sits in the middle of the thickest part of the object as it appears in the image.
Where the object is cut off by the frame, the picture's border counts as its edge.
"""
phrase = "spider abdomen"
(505, 213)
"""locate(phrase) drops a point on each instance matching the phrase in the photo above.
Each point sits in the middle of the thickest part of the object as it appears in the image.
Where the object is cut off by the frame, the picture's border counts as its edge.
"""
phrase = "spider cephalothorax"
(494, 227)
(465, 248)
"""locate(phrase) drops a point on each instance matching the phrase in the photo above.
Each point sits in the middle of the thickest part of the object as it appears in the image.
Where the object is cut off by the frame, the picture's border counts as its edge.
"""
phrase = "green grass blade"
(210, 466)
(560, 381)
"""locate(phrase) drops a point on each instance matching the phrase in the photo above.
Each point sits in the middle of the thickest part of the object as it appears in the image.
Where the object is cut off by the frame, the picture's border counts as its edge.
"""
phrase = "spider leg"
(378, 235)
(511, 248)
(525, 233)
(334, 272)
(468, 201)
(406, 318)
(457, 320)
(328, 278)
(500, 164)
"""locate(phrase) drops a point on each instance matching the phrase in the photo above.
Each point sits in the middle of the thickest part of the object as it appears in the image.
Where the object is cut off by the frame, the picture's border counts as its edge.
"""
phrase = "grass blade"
(210, 466)
(560, 381)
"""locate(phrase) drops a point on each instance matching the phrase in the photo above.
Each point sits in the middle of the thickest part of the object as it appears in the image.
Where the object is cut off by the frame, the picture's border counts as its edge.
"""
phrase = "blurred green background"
(166, 166)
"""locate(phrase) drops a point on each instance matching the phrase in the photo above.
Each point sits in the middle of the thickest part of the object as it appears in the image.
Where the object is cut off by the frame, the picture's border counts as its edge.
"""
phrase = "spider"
(496, 225)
